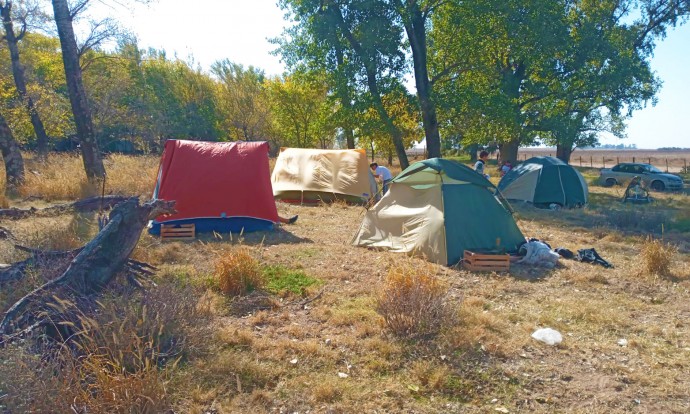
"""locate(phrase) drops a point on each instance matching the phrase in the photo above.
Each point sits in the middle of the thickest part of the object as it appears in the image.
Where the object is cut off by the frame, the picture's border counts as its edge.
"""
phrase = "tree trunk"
(86, 205)
(416, 33)
(93, 268)
(370, 67)
(20, 81)
(472, 149)
(345, 100)
(509, 151)
(350, 137)
(93, 164)
(14, 163)
(563, 152)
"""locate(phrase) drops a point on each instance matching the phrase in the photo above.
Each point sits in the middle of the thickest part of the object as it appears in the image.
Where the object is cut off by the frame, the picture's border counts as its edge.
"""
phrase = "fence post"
(603, 161)
(591, 163)
(649, 160)
(666, 164)
(617, 162)
(685, 165)
(633, 159)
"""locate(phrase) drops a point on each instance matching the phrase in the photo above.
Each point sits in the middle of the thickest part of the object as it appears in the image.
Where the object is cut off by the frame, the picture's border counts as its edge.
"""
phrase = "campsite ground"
(325, 348)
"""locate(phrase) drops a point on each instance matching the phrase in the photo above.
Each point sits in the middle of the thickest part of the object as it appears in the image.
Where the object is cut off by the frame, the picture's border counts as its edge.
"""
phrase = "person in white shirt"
(382, 174)
(481, 162)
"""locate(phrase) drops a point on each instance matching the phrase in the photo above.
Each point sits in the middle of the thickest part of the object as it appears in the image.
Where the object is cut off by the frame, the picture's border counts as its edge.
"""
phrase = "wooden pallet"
(486, 262)
(172, 232)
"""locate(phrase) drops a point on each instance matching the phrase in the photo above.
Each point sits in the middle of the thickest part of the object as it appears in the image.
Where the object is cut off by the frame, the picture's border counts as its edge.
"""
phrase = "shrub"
(238, 272)
(656, 257)
(412, 301)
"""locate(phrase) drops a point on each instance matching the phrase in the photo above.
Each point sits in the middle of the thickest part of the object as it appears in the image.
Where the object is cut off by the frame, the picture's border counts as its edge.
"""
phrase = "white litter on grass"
(293, 361)
(548, 336)
(622, 342)
(342, 375)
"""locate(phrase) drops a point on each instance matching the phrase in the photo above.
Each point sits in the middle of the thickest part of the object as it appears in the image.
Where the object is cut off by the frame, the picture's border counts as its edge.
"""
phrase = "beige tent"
(438, 209)
(305, 175)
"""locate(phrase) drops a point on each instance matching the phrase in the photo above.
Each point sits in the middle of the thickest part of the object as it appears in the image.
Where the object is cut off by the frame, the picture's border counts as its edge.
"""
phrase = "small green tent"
(439, 208)
(544, 181)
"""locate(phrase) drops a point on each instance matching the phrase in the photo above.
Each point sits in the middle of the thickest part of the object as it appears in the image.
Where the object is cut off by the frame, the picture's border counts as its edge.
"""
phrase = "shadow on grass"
(606, 211)
(530, 273)
(279, 235)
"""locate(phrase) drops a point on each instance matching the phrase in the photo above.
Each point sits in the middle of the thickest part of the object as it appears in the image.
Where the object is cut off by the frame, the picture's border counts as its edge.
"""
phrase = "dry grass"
(412, 301)
(117, 358)
(61, 177)
(485, 360)
(657, 256)
(238, 272)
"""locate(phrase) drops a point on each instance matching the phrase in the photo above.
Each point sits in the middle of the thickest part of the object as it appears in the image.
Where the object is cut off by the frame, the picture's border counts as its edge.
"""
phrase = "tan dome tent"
(439, 208)
(313, 175)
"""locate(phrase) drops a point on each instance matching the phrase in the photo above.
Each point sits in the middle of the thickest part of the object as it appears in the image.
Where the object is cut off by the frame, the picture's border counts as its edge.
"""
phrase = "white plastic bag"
(548, 336)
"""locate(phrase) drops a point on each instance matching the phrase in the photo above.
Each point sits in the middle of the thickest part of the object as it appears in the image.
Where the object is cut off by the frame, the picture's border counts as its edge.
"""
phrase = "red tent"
(219, 186)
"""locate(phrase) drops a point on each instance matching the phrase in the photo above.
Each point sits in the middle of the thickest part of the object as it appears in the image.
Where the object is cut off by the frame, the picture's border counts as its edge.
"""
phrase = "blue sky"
(210, 30)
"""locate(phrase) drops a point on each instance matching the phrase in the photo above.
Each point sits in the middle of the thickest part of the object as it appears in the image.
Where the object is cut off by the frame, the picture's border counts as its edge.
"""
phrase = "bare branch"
(100, 32)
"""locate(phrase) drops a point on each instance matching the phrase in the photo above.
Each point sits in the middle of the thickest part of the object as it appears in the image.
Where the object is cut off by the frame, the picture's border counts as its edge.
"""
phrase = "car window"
(617, 168)
(653, 169)
(626, 168)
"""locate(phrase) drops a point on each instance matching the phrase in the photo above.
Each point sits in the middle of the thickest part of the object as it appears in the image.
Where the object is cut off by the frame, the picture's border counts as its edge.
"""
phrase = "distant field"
(606, 158)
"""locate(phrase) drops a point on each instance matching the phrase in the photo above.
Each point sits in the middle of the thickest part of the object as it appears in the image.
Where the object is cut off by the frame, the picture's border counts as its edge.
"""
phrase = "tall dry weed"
(62, 177)
(117, 358)
(412, 301)
(238, 272)
(657, 257)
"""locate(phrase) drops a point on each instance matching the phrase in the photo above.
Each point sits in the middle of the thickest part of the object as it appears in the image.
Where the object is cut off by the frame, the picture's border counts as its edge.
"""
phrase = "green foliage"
(280, 280)
(242, 101)
(553, 71)
(301, 110)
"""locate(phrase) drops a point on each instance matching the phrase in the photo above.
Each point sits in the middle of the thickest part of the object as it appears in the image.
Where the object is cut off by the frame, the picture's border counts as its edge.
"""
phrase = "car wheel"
(658, 186)
(610, 182)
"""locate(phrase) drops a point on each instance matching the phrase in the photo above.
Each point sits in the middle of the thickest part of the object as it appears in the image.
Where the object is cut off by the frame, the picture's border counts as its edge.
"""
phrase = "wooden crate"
(486, 262)
(172, 232)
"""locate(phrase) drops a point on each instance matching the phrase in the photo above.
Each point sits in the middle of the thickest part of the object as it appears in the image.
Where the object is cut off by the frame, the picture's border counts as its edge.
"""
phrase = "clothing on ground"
(591, 256)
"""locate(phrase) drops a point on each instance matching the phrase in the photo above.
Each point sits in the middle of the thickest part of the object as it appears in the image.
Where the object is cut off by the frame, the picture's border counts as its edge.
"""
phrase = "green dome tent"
(439, 208)
(544, 181)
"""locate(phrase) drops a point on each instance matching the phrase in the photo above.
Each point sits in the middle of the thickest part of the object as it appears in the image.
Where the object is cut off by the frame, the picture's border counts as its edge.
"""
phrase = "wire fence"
(666, 163)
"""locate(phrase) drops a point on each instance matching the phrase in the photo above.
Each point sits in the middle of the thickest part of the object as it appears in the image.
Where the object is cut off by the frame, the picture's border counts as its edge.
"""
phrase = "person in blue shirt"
(382, 174)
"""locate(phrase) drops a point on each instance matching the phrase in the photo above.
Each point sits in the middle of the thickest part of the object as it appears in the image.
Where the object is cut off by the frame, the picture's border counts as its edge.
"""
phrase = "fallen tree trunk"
(45, 258)
(92, 269)
(81, 206)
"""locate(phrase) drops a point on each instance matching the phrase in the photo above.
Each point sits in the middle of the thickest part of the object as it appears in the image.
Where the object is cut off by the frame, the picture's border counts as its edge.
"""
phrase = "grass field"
(311, 338)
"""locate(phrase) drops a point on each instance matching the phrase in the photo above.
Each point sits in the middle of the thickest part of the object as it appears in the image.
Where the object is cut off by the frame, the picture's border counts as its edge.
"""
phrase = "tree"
(93, 164)
(415, 16)
(242, 101)
(12, 38)
(301, 110)
(14, 163)
(553, 71)
(498, 57)
(605, 73)
(403, 109)
(356, 34)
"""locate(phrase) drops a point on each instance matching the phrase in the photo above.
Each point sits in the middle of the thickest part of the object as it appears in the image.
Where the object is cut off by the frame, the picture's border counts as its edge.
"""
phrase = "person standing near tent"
(481, 162)
(382, 174)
